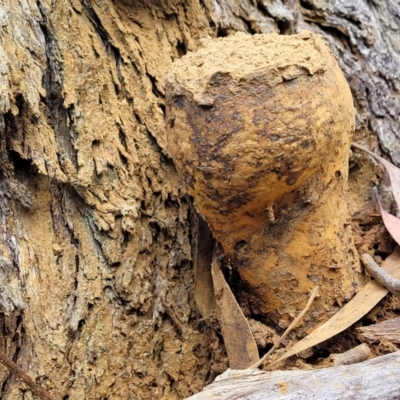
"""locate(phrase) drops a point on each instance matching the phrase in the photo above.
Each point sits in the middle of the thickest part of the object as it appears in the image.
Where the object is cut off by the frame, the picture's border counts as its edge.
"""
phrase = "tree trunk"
(96, 266)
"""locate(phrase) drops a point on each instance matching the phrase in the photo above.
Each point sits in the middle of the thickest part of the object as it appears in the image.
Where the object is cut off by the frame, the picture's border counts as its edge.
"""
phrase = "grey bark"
(370, 380)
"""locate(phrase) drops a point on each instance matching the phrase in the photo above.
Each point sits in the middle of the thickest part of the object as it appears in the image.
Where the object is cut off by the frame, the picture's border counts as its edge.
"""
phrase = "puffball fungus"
(260, 127)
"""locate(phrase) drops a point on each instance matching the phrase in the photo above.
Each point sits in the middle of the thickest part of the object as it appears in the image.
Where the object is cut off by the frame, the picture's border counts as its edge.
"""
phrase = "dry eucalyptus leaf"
(392, 224)
(203, 285)
(239, 342)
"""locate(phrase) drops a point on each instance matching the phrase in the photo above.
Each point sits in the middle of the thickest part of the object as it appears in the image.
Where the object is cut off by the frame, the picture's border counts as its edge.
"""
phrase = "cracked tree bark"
(96, 257)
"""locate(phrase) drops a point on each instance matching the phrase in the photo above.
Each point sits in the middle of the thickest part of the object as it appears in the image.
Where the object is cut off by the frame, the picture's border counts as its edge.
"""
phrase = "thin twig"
(380, 275)
(288, 330)
(38, 390)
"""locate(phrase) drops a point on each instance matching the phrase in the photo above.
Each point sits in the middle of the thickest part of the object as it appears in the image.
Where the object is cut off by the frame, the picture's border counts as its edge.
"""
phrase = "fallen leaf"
(202, 243)
(367, 298)
(239, 342)
(392, 224)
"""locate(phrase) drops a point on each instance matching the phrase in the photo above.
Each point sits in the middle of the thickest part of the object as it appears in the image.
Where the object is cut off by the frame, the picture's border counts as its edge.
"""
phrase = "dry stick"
(380, 275)
(38, 390)
(288, 330)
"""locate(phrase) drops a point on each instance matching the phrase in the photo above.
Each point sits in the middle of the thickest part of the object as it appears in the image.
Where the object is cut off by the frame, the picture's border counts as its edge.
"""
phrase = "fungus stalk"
(260, 127)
